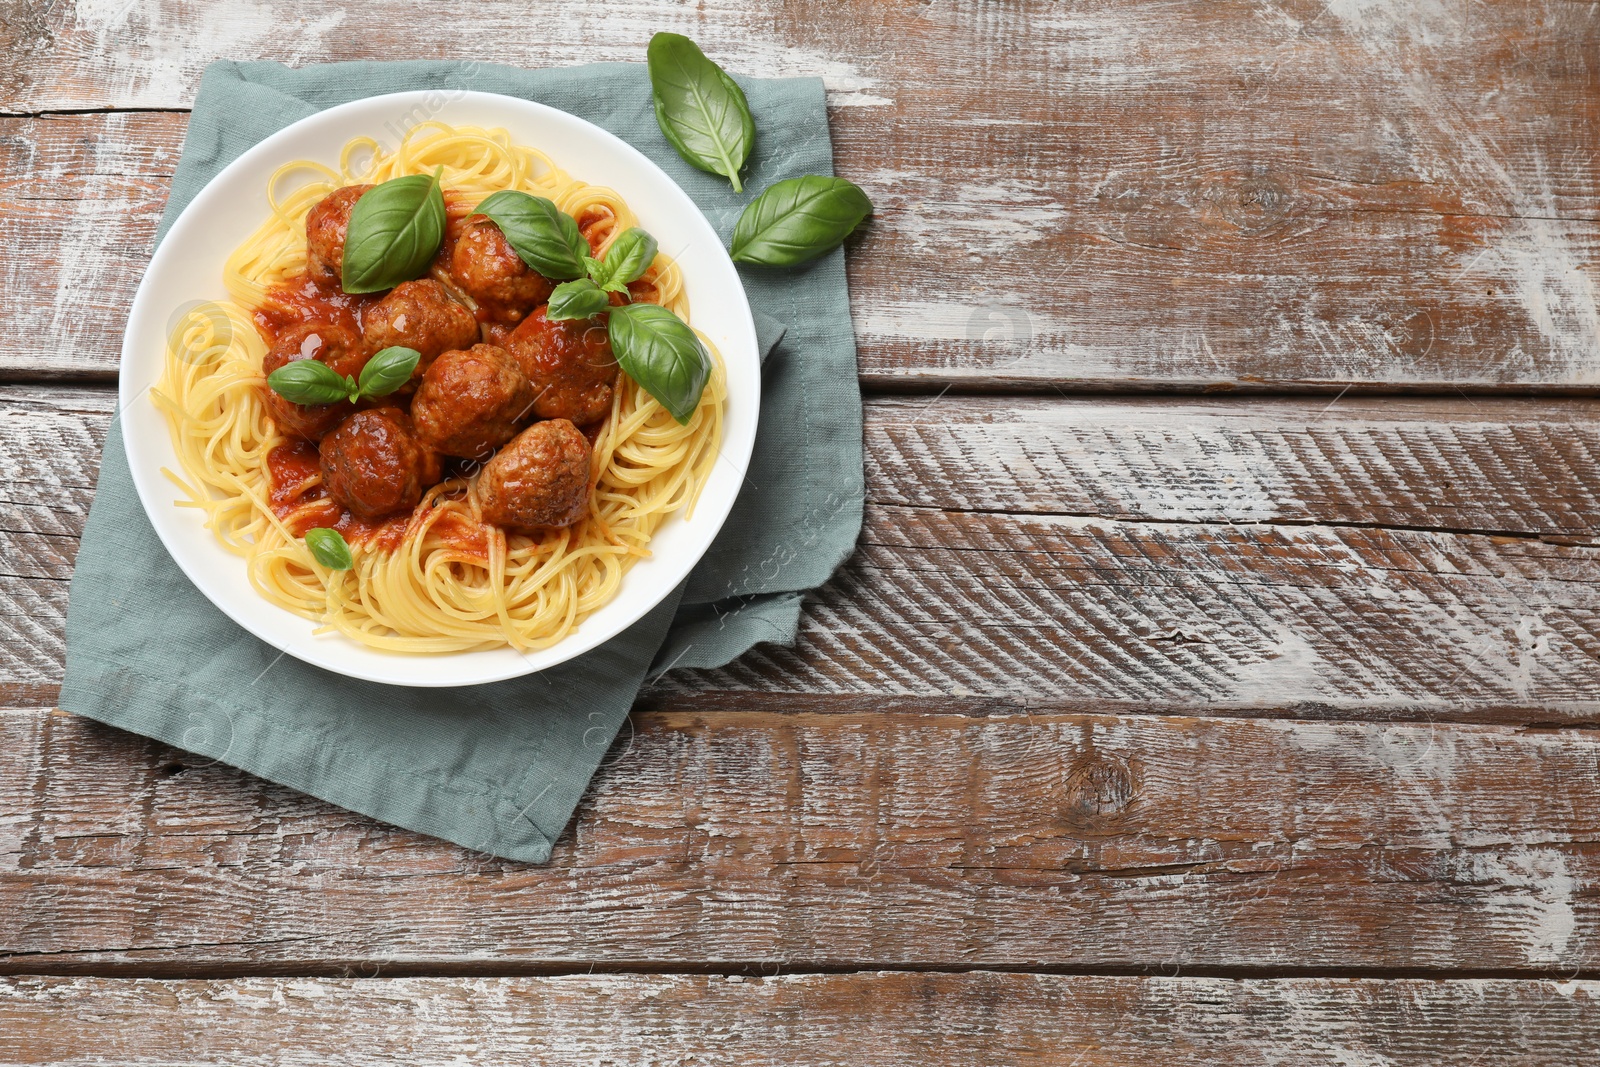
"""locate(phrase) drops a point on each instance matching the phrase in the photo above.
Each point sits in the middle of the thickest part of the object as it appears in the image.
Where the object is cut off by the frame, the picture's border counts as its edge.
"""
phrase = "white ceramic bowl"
(188, 267)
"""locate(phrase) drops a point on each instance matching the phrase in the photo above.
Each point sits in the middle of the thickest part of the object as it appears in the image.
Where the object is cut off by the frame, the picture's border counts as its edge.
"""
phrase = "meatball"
(334, 345)
(374, 465)
(540, 479)
(470, 403)
(570, 364)
(422, 316)
(325, 229)
(485, 265)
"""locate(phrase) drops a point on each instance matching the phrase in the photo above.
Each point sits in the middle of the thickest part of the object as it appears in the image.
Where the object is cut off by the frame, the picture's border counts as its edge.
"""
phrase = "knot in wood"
(1098, 787)
(1250, 204)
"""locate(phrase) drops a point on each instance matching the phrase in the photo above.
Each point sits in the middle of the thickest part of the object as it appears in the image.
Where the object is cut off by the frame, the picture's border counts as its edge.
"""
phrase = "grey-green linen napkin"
(500, 767)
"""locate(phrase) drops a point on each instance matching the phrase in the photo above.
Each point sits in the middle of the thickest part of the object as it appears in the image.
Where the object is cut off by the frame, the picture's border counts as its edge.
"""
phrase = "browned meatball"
(374, 465)
(422, 316)
(334, 345)
(485, 265)
(470, 403)
(326, 225)
(570, 364)
(540, 479)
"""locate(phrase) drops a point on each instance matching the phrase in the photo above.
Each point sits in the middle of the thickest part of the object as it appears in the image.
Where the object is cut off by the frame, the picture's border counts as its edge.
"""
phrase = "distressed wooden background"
(1217, 678)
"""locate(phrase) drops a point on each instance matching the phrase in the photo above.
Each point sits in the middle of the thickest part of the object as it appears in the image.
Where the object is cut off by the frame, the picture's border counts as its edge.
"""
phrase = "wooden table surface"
(1218, 676)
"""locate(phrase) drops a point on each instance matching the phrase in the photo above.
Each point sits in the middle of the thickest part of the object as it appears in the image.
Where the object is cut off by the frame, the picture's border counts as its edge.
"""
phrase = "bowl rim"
(474, 667)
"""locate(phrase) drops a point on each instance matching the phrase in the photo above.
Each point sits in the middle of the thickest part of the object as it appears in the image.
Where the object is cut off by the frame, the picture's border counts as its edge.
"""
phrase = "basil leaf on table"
(629, 256)
(388, 370)
(797, 220)
(661, 353)
(310, 381)
(395, 230)
(330, 549)
(544, 237)
(576, 300)
(700, 109)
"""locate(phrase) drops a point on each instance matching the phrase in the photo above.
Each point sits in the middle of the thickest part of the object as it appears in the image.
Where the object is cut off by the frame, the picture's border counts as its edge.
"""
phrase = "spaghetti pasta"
(440, 579)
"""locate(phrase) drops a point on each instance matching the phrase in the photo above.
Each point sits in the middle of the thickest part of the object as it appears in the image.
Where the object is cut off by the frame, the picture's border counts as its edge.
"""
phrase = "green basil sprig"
(661, 353)
(544, 237)
(330, 549)
(395, 231)
(626, 260)
(311, 381)
(577, 300)
(699, 108)
(387, 371)
(797, 220)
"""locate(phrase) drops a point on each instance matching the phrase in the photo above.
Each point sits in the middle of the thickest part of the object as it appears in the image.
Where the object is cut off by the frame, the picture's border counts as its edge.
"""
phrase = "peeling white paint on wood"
(999, 217)
(1288, 664)
(1534, 890)
(152, 53)
(1554, 282)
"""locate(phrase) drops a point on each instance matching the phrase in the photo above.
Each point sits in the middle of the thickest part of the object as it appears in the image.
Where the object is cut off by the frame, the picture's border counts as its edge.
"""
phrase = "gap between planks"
(891, 386)
(57, 965)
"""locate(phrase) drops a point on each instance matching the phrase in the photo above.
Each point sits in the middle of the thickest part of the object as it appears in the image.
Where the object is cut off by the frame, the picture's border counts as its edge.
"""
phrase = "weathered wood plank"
(1519, 467)
(1485, 466)
(50, 441)
(872, 834)
(1177, 554)
(884, 1018)
(79, 203)
(1360, 620)
(1116, 193)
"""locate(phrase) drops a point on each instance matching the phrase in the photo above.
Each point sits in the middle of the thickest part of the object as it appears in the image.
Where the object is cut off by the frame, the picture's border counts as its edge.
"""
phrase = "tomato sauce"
(289, 467)
(469, 538)
(300, 299)
(306, 507)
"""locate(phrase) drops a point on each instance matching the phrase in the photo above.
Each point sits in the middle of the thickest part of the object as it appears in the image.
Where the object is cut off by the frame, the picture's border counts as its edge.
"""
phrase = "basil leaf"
(395, 231)
(596, 271)
(330, 548)
(661, 353)
(388, 370)
(797, 220)
(629, 256)
(310, 381)
(546, 238)
(576, 300)
(699, 108)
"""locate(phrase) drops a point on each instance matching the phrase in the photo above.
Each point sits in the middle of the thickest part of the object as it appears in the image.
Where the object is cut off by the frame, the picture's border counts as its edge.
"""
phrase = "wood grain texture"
(1526, 468)
(820, 1020)
(50, 442)
(1223, 555)
(79, 203)
(1359, 621)
(1116, 193)
(829, 835)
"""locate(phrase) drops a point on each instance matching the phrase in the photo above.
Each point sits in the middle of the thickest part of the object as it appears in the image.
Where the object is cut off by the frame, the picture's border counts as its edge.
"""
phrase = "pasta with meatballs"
(491, 468)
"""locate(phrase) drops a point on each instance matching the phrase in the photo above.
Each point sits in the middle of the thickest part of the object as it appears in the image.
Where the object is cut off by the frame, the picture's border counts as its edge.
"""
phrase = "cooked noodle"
(442, 580)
